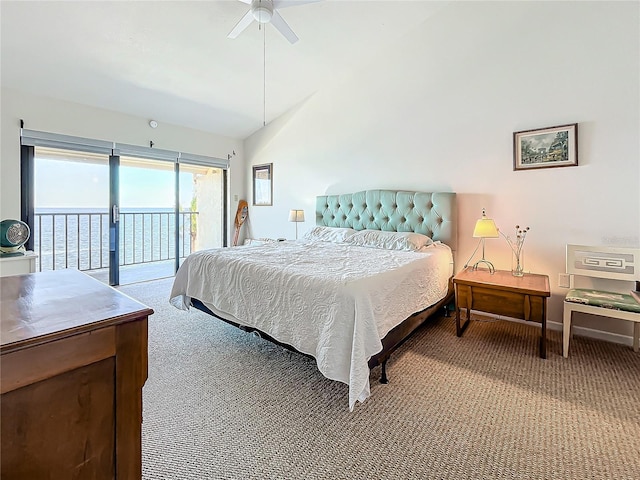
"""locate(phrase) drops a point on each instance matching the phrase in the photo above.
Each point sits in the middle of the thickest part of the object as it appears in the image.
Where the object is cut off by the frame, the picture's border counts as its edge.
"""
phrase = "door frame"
(114, 220)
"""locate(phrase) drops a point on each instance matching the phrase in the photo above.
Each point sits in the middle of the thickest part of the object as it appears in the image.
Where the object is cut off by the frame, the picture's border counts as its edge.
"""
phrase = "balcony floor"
(140, 272)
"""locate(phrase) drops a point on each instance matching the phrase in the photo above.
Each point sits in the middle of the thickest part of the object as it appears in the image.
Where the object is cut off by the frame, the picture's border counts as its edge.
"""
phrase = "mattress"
(332, 301)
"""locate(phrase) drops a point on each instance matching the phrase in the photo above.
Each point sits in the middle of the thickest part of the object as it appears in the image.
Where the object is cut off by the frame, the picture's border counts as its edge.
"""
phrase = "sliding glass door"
(120, 218)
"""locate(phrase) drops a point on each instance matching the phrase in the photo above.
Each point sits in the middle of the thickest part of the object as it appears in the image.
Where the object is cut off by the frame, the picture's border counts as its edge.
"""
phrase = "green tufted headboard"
(433, 214)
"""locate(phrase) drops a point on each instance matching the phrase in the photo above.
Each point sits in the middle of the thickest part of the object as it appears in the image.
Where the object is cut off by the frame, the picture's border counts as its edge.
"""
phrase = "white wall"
(46, 114)
(437, 111)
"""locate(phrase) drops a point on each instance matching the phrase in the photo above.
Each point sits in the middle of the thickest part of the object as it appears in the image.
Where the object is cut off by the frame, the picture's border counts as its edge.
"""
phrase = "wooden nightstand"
(503, 294)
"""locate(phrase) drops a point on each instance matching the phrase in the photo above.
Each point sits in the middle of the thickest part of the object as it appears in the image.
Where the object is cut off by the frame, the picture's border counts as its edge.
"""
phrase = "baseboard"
(580, 331)
(593, 333)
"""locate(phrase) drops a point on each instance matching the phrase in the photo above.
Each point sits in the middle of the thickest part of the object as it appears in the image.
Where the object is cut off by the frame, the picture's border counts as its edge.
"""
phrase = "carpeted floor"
(223, 404)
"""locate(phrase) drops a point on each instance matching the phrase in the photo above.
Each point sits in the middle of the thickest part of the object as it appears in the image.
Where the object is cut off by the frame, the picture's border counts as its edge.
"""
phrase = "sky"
(60, 184)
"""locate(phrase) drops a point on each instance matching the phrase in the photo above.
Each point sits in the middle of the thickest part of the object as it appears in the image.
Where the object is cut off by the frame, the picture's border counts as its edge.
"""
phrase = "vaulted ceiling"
(172, 61)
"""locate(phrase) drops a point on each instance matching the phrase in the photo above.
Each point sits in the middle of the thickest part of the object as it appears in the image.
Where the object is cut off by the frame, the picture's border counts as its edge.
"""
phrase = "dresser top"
(45, 306)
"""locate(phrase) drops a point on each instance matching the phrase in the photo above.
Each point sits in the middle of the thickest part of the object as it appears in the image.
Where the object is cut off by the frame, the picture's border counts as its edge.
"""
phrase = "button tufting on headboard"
(432, 214)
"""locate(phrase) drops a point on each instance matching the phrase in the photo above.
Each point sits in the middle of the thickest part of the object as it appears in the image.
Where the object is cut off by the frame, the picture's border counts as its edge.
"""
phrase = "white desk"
(18, 265)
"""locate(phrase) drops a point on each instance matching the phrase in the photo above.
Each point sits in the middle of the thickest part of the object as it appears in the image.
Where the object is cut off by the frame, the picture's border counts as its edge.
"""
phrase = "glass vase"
(517, 263)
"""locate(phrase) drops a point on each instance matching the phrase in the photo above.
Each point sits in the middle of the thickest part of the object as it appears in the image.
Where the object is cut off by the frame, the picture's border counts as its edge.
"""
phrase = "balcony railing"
(68, 239)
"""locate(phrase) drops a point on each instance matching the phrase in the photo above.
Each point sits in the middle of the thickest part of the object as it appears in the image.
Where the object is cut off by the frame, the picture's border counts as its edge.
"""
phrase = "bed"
(348, 293)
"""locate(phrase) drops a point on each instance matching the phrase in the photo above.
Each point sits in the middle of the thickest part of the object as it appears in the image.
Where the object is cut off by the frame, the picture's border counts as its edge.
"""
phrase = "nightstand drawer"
(499, 302)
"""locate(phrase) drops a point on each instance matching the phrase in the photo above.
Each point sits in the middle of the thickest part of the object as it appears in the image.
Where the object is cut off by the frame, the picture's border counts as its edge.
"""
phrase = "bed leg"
(448, 308)
(383, 373)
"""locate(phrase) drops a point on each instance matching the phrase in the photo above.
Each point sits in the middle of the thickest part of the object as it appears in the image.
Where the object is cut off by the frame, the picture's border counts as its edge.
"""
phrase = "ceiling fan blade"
(282, 26)
(291, 3)
(241, 25)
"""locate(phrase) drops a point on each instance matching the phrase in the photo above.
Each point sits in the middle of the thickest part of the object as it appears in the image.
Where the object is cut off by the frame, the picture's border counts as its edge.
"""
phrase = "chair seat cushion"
(599, 298)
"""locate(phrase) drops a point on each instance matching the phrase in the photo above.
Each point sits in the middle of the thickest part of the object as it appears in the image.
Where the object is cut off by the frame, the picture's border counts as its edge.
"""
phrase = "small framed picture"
(263, 184)
(546, 147)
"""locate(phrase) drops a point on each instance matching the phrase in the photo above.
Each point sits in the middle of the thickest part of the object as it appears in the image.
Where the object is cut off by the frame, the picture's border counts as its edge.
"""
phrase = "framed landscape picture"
(546, 147)
(263, 184)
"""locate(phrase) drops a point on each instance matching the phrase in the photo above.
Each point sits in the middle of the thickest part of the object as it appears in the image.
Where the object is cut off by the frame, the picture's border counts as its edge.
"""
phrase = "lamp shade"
(296, 216)
(485, 228)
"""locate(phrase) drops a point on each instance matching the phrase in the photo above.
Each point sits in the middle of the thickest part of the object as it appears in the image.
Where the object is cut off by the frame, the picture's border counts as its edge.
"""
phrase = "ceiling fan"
(266, 11)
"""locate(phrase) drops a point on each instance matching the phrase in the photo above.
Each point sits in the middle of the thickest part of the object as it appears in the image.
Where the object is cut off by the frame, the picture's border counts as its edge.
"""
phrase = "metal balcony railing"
(68, 239)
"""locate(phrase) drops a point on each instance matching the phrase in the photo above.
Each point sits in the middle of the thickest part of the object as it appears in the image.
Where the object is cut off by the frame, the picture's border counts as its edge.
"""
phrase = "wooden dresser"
(74, 360)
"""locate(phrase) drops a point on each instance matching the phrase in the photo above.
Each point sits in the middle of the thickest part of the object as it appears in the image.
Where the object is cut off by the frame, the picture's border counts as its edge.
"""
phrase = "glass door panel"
(147, 219)
(71, 222)
(201, 208)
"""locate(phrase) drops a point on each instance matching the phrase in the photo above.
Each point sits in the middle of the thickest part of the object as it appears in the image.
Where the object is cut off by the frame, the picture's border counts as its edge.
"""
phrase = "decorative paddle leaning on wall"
(241, 215)
(348, 292)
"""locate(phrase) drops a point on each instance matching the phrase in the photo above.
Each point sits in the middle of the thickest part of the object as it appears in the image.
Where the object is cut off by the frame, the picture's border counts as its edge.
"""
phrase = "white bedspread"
(332, 301)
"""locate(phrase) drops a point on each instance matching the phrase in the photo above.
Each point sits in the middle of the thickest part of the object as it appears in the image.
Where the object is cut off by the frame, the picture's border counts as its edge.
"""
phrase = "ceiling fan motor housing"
(262, 10)
(266, 11)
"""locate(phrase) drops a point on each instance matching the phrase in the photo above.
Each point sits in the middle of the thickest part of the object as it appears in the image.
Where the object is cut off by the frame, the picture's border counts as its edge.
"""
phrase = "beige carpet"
(222, 404)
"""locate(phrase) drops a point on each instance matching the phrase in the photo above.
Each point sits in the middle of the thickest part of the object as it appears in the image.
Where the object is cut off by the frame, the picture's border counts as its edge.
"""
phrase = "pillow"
(258, 241)
(329, 234)
(390, 240)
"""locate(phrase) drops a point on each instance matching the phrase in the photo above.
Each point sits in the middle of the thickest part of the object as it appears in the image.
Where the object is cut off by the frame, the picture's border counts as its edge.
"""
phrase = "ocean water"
(79, 238)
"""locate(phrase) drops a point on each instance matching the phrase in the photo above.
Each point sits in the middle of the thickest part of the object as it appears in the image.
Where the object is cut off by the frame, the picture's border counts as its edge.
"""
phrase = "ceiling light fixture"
(262, 12)
(153, 124)
(266, 11)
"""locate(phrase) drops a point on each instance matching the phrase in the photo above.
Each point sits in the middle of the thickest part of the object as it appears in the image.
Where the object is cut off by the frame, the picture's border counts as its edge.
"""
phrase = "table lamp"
(485, 228)
(296, 216)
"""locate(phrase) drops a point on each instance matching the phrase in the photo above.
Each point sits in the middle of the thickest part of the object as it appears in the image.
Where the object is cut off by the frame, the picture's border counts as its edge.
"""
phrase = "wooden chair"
(620, 267)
